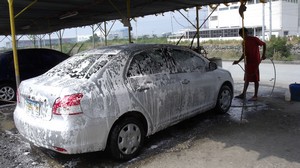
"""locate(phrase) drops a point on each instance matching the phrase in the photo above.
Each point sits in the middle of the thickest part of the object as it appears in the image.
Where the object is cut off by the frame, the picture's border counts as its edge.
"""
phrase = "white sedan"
(112, 97)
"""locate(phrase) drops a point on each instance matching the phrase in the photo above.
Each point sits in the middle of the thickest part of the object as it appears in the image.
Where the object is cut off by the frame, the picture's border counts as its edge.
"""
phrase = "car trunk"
(34, 95)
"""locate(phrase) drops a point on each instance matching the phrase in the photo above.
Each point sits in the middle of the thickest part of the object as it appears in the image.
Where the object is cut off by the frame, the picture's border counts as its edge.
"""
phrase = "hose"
(275, 75)
(274, 68)
(247, 106)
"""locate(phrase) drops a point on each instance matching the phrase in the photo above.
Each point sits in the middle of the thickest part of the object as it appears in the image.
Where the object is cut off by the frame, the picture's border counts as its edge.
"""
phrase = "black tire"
(224, 100)
(7, 92)
(126, 139)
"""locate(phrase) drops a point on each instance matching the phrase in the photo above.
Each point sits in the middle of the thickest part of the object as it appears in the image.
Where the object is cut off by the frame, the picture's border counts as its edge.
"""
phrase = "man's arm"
(241, 58)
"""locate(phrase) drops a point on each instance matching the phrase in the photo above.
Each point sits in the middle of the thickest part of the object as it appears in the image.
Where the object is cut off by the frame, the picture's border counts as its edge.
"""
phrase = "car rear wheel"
(224, 99)
(7, 92)
(126, 139)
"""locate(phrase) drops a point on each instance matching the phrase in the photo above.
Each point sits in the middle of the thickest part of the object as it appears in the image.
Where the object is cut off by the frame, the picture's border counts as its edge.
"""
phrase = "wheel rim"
(225, 99)
(129, 138)
(7, 93)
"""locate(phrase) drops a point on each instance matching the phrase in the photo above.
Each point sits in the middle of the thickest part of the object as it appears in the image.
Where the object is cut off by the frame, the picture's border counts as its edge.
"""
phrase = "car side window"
(148, 62)
(50, 58)
(29, 60)
(187, 61)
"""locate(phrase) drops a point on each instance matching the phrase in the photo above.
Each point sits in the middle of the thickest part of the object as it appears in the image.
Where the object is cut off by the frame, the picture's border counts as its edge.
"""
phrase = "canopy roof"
(46, 16)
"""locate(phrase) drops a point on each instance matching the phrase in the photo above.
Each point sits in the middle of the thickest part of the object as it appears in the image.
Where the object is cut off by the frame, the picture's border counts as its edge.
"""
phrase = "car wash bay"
(267, 136)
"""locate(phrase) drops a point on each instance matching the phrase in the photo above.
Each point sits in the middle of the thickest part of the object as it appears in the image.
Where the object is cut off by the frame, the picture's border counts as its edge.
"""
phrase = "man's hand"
(235, 62)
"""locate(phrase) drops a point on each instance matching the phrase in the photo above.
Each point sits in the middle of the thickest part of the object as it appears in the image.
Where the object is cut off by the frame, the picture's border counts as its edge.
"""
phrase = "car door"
(154, 87)
(196, 82)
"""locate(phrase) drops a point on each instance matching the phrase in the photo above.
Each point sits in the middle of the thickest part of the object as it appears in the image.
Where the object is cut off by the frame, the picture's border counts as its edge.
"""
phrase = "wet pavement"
(264, 133)
(270, 128)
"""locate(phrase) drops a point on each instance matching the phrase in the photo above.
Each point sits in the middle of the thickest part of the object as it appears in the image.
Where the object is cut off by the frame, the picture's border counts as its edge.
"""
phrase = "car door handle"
(185, 81)
(142, 88)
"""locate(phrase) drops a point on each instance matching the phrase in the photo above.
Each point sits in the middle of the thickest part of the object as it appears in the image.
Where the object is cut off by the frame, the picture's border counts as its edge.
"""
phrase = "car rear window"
(80, 66)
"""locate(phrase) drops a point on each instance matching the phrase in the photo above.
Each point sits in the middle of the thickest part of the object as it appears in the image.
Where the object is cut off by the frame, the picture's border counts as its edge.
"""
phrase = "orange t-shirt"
(252, 58)
(252, 50)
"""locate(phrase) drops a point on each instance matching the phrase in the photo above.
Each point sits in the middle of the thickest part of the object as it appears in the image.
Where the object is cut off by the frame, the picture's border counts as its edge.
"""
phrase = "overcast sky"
(148, 25)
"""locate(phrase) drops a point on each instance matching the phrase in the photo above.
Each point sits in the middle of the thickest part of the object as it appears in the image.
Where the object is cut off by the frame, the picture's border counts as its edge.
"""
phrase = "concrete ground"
(267, 136)
(262, 134)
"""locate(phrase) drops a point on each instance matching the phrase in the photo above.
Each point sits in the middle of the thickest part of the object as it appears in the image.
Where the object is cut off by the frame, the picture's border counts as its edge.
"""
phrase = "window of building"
(212, 18)
(234, 7)
(223, 9)
(205, 34)
(216, 33)
(251, 2)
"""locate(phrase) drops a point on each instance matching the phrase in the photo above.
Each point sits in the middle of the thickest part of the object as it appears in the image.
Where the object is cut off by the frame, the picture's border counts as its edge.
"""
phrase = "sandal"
(241, 96)
(253, 99)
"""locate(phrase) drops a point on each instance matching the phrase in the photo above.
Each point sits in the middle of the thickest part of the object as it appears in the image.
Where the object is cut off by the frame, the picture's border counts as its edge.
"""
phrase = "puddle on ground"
(6, 125)
(6, 117)
(240, 107)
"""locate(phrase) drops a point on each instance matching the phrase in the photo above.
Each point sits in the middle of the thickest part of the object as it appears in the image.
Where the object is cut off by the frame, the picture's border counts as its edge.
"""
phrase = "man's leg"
(246, 84)
(243, 94)
(256, 85)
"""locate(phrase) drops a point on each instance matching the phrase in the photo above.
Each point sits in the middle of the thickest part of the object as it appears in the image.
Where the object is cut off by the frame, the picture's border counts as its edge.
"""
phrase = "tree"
(96, 38)
(279, 46)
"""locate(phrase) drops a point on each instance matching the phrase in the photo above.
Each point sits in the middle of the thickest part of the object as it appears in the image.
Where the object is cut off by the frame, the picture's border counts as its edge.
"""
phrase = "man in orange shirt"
(251, 54)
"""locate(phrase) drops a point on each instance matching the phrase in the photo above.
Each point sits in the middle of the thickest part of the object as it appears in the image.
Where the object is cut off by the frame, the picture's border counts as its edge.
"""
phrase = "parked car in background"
(112, 97)
(32, 62)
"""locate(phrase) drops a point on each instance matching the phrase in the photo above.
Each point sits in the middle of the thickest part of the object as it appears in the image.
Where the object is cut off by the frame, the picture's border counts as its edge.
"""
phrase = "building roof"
(47, 16)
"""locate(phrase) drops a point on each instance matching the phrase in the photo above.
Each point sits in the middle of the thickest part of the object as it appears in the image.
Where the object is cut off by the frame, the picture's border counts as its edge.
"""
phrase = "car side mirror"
(212, 66)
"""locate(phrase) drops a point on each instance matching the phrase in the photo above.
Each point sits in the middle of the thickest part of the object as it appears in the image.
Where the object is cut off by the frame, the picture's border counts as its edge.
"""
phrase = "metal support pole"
(270, 32)
(14, 44)
(60, 40)
(105, 34)
(50, 43)
(93, 36)
(188, 18)
(27, 7)
(128, 19)
(198, 28)
(40, 42)
(263, 22)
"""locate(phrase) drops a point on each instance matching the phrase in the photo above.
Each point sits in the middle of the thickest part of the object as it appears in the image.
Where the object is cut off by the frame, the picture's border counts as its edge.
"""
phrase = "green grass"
(225, 49)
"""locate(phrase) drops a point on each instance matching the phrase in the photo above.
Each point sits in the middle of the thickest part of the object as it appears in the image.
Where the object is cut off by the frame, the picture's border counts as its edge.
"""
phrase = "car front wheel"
(224, 99)
(7, 92)
(126, 139)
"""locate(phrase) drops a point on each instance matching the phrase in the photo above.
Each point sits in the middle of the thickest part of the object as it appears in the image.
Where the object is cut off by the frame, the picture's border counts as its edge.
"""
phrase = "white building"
(284, 17)
(83, 38)
(225, 21)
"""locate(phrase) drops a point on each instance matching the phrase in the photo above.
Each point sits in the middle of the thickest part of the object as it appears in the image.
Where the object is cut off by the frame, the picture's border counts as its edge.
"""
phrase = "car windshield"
(81, 66)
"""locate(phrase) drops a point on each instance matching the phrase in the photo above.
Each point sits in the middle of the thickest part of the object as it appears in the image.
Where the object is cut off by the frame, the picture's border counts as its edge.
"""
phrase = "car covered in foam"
(113, 97)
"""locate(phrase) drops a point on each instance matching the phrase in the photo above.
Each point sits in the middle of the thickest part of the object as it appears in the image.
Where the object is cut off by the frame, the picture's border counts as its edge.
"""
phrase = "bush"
(278, 48)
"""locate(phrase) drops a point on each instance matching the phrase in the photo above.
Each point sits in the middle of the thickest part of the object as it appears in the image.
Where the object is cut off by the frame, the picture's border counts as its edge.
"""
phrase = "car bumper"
(69, 134)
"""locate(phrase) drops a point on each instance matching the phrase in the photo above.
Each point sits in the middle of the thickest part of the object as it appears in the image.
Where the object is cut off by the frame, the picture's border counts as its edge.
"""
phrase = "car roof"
(127, 47)
(32, 50)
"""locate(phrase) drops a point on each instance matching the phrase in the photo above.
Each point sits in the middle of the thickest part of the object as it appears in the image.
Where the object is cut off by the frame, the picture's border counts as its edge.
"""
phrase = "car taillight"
(68, 105)
(61, 150)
